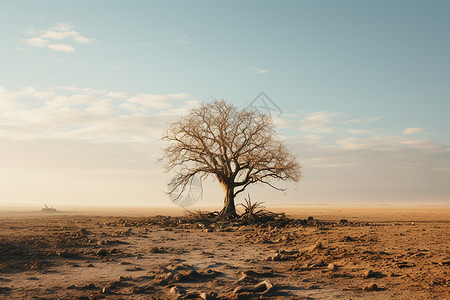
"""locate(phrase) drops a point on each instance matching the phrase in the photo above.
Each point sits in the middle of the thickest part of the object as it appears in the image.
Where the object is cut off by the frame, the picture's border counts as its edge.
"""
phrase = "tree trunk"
(229, 209)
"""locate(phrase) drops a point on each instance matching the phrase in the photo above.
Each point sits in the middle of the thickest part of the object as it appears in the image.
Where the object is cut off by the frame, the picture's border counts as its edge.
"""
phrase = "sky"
(88, 87)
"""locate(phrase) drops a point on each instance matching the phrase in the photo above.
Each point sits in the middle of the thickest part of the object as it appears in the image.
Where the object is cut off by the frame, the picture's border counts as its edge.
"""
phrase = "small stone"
(177, 291)
(208, 230)
(368, 274)
(276, 257)
(205, 296)
(155, 250)
(343, 221)
(412, 223)
(106, 290)
(371, 287)
(178, 277)
(102, 252)
(310, 218)
(332, 267)
(318, 245)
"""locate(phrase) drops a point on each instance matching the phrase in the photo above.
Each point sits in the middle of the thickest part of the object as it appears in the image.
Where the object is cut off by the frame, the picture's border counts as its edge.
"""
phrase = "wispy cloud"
(155, 101)
(60, 37)
(374, 119)
(258, 70)
(413, 130)
(358, 131)
(317, 121)
(331, 130)
(87, 114)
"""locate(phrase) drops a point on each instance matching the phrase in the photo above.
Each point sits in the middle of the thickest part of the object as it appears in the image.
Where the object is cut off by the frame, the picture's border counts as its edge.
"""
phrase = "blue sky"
(87, 87)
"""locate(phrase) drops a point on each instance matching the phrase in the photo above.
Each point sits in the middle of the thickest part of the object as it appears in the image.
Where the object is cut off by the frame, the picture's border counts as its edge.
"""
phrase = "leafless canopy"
(238, 147)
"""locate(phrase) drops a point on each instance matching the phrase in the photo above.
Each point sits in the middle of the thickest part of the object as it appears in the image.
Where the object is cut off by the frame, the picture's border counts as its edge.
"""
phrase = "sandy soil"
(378, 254)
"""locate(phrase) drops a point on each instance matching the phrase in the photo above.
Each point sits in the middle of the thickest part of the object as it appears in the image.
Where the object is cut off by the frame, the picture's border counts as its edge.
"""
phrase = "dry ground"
(374, 256)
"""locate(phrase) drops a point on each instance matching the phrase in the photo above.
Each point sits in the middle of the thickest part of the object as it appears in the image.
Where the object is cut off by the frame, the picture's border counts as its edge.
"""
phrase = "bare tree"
(238, 147)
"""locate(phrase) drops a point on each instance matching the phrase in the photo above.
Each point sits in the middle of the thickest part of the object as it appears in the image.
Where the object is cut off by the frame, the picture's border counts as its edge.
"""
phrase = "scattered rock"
(347, 239)
(368, 274)
(102, 252)
(106, 290)
(310, 218)
(90, 286)
(124, 278)
(63, 253)
(332, 267)
(263, 287)
(155, 250)
(370, 287)
(316, 246)
(444, 263)
(343, 221)
(177, 291)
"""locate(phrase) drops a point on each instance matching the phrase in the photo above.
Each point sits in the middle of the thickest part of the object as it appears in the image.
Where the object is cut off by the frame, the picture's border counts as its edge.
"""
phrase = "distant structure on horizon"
(48, 209)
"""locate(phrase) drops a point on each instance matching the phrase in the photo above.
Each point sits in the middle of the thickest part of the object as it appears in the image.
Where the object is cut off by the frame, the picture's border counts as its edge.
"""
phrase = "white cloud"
(117, 94)
(151, 101)
(413, 130)
(316, 121)
(313, 137)
(390, 143)
(352, 121)
(37, 42)
(358, 131)
(156, 101)
(421, 144)
(178, 96)
(69, 101)
(373, 143)
(62, 26)
(374, 119)
(60, 32)
(258, 70)
(131, 107)
(61, 47)
(88, 114)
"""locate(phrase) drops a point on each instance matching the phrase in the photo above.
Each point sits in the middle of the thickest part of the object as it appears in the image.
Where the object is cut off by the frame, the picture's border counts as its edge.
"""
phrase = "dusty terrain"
(377, 254)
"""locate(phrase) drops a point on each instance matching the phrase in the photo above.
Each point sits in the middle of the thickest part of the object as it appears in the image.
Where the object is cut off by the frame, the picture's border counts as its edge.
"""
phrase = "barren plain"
(313, 253)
